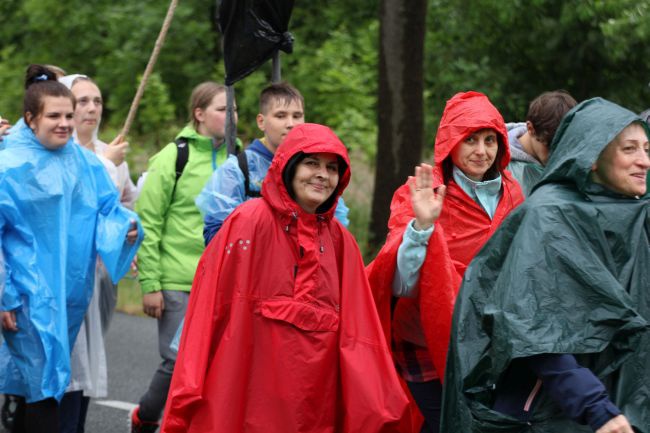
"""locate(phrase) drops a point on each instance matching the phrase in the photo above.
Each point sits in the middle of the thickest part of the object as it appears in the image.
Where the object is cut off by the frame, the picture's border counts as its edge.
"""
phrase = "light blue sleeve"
(9, 297)
(410, 256)
(113, 223)
(341, 212)
(220, 196)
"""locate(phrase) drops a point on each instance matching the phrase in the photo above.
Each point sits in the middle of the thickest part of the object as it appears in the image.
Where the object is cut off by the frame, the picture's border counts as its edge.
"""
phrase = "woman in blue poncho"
(58, 210)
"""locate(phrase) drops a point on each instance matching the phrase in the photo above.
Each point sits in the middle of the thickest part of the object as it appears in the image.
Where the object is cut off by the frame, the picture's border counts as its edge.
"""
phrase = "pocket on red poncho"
(304, 316)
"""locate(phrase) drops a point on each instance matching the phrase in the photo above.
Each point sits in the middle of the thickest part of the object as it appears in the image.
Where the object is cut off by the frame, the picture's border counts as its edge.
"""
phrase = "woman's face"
(53, 127)
(476, 153)
(88, 111)
(315, 180)
(212, 119)
(623, 165)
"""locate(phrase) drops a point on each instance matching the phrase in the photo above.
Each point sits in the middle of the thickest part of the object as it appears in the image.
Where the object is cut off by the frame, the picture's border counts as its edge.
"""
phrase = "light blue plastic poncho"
(58, 210)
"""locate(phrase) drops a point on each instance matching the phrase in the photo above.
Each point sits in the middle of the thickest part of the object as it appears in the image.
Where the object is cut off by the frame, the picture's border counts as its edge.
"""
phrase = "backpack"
(243, 166)
(182, 155)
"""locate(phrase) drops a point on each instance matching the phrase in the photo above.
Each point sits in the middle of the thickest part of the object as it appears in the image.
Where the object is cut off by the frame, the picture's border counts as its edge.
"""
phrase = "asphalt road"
(132, 351)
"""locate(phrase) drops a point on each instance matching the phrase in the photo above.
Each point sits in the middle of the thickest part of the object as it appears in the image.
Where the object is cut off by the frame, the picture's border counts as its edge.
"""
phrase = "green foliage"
(339, 82)
(156, 112)
(247, 93)
(11, 83)
(515, 50)
(511, 50)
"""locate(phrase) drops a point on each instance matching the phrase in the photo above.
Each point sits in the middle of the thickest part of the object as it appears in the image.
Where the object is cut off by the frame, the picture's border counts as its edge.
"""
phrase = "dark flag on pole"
(253, 31)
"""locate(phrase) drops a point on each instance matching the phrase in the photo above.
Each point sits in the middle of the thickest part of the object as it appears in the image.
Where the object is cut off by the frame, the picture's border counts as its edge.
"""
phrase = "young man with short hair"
(281, 108)
(530, 141)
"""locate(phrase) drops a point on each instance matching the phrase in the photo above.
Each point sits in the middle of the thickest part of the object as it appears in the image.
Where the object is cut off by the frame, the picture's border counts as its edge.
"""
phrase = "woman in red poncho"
(439, 220)
(281, 334)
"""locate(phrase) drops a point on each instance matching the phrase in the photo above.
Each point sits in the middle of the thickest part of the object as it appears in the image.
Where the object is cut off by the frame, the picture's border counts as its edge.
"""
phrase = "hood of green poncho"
(583, 134)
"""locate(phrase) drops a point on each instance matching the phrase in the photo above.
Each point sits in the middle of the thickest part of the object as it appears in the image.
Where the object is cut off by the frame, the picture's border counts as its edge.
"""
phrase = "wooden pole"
(147, 72)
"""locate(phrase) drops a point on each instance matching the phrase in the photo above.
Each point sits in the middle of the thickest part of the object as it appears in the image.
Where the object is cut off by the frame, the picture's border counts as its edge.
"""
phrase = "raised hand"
(116, 150)
(427, 203)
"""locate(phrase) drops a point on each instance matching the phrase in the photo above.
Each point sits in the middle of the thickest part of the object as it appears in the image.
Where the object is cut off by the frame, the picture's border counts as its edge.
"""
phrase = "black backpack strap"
(182, 156)
(243, 166)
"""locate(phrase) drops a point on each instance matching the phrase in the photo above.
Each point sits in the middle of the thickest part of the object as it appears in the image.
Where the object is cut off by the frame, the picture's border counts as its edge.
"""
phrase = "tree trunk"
(400, 105)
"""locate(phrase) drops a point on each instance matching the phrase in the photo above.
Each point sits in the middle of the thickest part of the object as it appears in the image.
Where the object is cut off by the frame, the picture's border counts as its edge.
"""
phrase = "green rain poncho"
(567, 272)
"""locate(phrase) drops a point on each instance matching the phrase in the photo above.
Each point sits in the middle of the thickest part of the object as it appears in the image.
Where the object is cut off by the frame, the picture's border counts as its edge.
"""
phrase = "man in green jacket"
(173, 242)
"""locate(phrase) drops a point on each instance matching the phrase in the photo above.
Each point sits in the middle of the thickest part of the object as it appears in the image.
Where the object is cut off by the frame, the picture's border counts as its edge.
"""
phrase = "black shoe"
(8, 412)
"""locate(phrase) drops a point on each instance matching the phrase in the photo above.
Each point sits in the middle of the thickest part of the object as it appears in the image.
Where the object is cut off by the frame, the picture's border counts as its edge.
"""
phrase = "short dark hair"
(546, 112)
(283, 91)
(40, 82)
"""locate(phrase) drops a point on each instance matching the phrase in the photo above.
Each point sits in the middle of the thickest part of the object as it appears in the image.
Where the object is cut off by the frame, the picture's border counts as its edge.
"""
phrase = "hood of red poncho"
(465, 113)
(307, 138)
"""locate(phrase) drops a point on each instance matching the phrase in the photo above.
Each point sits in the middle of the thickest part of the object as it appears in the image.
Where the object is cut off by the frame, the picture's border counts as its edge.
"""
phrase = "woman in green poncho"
(551, 327)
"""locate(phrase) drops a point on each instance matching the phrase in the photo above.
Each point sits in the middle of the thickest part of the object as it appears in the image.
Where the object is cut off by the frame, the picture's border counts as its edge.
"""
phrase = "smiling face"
(476, 153)
(89, 107)
(315, 180)
(212, 119)
(53, 127)
(623, 165)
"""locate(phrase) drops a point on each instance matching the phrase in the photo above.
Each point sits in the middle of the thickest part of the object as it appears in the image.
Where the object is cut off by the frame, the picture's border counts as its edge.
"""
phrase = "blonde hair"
(202, 96)
(59, 72)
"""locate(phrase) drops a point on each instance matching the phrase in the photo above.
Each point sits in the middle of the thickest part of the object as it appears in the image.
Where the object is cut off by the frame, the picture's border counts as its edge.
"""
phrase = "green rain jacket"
(173, 225)
(567, 272)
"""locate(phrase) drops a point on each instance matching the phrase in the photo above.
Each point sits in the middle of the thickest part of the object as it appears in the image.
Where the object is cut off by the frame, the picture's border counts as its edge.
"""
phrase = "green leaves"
(512, 50)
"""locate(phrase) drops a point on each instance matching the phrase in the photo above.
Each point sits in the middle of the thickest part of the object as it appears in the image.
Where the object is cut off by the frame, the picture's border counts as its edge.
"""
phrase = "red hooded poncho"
(461, 230)
(281, 334)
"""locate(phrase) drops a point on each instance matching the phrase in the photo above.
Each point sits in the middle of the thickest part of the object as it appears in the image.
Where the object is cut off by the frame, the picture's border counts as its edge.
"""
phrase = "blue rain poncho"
(58, 210)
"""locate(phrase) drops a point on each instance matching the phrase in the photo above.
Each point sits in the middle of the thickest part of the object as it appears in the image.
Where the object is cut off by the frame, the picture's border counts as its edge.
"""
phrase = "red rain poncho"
(281, 334)
(461, 230)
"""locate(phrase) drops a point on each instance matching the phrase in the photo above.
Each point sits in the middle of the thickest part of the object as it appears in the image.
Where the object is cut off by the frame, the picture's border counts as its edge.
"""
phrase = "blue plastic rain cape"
(58, 210)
